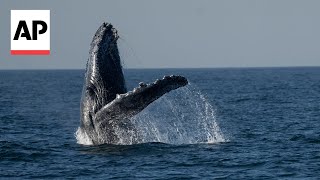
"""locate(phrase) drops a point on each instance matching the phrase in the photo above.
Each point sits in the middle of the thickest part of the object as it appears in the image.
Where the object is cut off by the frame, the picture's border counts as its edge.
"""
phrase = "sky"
(175, 33)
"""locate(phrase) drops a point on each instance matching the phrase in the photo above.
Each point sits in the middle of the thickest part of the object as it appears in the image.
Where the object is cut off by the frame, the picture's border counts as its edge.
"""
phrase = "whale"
(106, 105)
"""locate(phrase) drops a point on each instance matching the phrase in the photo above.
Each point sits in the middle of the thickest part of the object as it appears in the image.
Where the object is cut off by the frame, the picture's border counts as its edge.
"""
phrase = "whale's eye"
(90, 91)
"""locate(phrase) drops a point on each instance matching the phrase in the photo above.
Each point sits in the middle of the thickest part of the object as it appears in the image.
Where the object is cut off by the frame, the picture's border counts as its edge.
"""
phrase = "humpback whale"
(105, 103)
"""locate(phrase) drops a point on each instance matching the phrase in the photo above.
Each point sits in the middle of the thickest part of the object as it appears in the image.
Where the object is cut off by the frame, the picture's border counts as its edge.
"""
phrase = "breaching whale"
(105, 102)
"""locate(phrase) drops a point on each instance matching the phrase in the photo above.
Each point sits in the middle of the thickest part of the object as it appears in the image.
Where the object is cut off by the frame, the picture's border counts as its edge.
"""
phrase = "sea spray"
(183, 116)
(82, 137)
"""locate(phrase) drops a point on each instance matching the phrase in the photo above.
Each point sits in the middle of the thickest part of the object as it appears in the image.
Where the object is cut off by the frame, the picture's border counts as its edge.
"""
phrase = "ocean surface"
(236, 123)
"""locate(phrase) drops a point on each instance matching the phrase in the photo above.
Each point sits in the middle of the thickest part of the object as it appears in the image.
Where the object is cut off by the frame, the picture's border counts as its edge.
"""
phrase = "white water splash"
(82, 137)
(183, 116)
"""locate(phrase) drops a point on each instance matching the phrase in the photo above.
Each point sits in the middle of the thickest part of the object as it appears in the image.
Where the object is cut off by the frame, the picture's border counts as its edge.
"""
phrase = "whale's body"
(105, 102)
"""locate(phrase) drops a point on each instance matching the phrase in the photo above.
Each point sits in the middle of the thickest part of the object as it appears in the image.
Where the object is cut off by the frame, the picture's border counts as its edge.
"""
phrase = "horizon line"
(162, 68)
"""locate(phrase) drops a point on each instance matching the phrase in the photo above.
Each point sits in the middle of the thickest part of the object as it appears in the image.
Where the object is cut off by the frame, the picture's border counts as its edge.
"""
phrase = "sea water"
(231, 123)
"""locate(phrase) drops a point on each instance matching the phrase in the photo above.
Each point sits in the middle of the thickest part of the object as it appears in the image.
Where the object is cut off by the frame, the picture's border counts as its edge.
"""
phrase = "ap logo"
(30, 32)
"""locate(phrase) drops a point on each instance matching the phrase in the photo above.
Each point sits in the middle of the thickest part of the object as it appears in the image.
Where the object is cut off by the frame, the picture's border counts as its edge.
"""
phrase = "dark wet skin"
(105, 102)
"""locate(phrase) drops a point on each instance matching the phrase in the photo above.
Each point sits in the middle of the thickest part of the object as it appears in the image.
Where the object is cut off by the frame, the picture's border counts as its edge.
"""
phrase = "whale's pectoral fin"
(131, 103)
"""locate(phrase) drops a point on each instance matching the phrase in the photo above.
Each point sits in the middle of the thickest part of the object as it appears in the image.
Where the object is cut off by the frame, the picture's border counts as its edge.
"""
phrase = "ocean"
(228, 123)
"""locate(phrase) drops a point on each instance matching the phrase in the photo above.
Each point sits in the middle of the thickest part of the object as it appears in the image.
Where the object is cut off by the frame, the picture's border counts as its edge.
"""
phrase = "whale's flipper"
(105, 103)
(131, 103)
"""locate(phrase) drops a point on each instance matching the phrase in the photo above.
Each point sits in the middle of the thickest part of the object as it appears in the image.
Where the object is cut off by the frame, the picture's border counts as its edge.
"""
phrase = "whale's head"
(104, 77)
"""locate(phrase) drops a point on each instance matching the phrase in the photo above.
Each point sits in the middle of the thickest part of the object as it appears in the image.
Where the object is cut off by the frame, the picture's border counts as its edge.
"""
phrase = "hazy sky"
(176, 33)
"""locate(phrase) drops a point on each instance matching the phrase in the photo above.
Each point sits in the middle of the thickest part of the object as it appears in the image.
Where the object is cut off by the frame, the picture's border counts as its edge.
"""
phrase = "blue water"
(269, 117)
